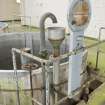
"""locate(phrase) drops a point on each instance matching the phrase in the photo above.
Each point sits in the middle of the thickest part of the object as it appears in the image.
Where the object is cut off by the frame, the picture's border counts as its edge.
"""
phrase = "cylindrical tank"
(14, 40)
(17, 40)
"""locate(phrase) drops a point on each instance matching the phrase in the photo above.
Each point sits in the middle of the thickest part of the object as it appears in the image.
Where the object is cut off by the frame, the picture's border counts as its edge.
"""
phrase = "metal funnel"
(56, 35)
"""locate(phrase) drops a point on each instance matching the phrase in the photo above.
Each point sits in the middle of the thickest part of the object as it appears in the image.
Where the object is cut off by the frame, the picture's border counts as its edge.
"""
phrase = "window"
(18, 1)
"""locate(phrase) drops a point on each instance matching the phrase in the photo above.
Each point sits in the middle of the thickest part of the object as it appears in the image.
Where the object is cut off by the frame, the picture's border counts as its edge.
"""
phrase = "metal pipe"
(44, 84)
(29, 55)
(22, 90)
(25, 60)
(16, 76)
(47, 74)
(76, 51)
(32, 93)
(37, 102)
(62, 100)
(56, 71)
(98, 51)
(42, 29)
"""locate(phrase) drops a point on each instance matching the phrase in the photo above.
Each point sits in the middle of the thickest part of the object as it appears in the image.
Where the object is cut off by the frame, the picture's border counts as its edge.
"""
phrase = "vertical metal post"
(75, 62)
(29, 23)
(56, 71)
(13, 24)
(16, 76)
(24, 59)
(52, 95)
(4, 99)
(31, 85)
(47, 74)
(44, 85)
(97, 58)
(29, 44)
(98, 52)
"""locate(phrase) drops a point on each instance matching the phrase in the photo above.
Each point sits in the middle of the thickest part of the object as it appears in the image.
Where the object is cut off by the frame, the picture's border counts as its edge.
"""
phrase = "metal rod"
(47, 84)
(62, 56)
(56, 70)
(60, 101)
(4, 99)
(25, 90)
(44, 84)
(37, 102)
(76, 51)
(16, 76)
(62, 93)
(98, 52)
(97, 58)
(31, 85)
(29, 55)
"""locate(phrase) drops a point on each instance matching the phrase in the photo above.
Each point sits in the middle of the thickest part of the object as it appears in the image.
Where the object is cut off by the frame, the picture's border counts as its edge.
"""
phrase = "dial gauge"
(79, 13)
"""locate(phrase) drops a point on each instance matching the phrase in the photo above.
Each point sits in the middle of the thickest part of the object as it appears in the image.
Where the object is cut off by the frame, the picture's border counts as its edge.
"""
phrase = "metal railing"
(22, 24)
(30, 56)
(98, 49)
(45, 69)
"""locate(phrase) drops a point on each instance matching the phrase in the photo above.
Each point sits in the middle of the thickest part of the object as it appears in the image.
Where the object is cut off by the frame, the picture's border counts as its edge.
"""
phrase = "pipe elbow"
(42, 28)
(52, 16)
(48, 15)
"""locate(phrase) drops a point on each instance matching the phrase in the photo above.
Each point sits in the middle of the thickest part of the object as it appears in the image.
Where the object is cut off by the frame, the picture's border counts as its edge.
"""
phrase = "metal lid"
(56, 33)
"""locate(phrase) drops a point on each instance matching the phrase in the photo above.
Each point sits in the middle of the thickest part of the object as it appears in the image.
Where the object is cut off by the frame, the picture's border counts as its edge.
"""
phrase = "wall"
(36, 8)
(97, 19)
(8, 8)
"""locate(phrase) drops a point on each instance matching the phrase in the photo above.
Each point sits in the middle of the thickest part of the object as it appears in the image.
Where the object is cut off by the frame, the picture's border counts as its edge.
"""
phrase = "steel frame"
(45, 71)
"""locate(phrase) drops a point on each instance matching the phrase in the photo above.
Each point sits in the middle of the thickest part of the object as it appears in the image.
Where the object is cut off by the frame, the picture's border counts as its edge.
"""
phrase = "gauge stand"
(79, 14)
(56, 36)
(75, 61)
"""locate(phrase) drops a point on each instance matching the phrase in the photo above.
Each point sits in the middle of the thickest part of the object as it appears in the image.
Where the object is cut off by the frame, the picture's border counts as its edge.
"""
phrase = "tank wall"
(17, 40)
(7, 42)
